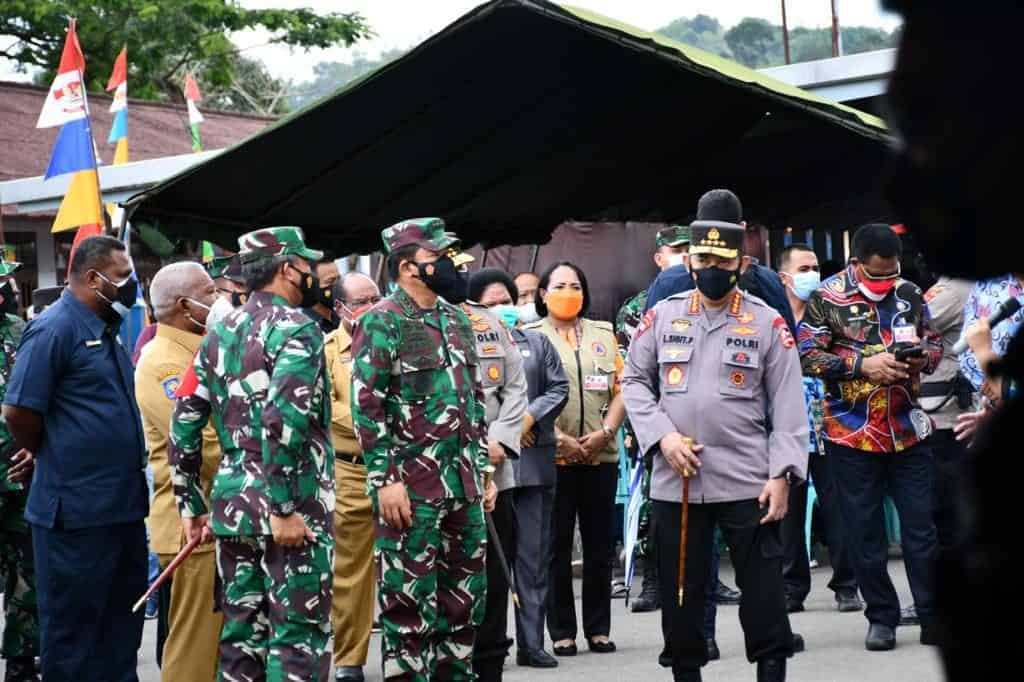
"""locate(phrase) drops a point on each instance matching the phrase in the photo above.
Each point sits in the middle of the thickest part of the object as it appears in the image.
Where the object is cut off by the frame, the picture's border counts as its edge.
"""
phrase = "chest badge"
(746, 318)
(738, 379)
(494, 373)
(674, 376)
(743, 330)
(740, 357)
(171, 386)
(674, 352)
(598, 348)
(680, 325)
(488, 349)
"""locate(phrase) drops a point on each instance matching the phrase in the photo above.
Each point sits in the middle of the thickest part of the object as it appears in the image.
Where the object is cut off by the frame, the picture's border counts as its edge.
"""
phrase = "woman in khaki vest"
(587, 456)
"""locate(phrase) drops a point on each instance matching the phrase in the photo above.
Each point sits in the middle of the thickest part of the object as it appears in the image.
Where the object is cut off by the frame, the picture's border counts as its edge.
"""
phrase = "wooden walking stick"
(182, 555)
(684, 516)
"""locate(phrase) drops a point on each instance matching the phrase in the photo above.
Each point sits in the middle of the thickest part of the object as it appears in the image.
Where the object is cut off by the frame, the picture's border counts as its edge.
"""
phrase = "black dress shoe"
(908, 616)
(713, 653)
(771, 670)
(794, 605)
(726, 595)
(565, 650)
(685, 674)
(929, 635)
(798, 643)
(535, 658)
(880, 638)
(847, 601)
(600, 647)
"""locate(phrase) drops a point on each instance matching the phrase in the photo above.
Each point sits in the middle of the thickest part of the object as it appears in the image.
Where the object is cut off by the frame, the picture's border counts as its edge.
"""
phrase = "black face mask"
(238, 298)
(325, 296)
(714, 282)
(309, 287)
(8, 301)
(125, 297)
(444, 280)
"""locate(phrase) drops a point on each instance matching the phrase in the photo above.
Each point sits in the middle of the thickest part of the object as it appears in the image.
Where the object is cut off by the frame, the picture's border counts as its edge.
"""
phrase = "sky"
(404, 23)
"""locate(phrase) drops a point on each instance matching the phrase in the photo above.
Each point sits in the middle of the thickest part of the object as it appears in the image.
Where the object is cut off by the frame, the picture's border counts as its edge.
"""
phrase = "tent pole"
(533, 258)
(785, 31)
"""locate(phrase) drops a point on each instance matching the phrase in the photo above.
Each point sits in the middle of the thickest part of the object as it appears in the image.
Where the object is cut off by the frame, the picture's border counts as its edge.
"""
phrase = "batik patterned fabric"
(418, 407)
(841, 328)
(262, 375)
(984, 299)
(17, 569)
(814, 396)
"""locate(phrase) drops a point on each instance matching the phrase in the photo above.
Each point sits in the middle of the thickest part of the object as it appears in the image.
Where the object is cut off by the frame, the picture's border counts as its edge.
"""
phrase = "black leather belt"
(351, 459)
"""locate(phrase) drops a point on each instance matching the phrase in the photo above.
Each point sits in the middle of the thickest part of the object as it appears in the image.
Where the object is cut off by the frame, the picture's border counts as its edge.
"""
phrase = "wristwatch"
(608, 432)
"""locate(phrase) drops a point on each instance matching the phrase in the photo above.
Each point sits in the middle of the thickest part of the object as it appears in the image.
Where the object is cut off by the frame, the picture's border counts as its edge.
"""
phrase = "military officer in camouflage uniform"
(706, 369)
(262, 376)
(419, 413)
(672, 244)
(21, 628)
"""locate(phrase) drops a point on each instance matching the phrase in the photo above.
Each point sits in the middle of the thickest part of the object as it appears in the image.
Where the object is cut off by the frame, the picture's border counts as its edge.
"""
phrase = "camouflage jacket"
(9, 337)
(261, 373)
(418, 407)
(628, 319)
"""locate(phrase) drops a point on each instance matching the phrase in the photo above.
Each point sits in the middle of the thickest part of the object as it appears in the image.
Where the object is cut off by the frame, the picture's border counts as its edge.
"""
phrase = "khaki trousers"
(354, 575)
(193, 637)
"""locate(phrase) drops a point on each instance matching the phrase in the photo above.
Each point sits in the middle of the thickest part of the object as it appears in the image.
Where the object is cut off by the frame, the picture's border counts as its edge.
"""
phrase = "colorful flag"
(119, 107)
(192, 98)
(74, 152)
(66, 100)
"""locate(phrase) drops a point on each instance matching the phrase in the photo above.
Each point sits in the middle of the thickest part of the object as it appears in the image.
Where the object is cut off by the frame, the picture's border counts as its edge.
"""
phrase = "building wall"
(34, 246)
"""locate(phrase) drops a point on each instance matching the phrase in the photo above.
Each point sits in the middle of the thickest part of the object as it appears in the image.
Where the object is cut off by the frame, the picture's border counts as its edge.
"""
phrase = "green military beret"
(275, 241)
(675, 235)
(717, 238)
(426, 233)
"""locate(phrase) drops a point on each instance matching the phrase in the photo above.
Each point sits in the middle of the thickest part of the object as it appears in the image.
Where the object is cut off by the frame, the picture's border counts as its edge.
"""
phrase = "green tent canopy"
(523, 114)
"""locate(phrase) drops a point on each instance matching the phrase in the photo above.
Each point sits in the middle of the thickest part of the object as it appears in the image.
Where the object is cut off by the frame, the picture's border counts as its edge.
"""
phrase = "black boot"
(771, 670)
(21, 670)
(649, 598)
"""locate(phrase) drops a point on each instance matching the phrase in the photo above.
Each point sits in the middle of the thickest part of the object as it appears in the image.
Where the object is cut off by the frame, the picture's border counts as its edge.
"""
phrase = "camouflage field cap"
(426, 233)
(275, 241)
(228, 267)
(717, 238)
(675, 235)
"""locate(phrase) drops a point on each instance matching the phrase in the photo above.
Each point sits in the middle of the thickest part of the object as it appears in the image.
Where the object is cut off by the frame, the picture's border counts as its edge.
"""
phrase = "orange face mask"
(565, 304)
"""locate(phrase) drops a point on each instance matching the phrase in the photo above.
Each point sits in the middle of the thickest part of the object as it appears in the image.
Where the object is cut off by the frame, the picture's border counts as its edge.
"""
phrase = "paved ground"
(835, 649)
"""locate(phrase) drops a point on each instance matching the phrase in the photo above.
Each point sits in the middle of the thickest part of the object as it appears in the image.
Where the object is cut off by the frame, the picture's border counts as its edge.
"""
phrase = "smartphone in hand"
(903, 354)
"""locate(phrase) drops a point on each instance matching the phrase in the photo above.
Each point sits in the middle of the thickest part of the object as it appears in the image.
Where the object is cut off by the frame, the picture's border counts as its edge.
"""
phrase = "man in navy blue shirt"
(71, 401)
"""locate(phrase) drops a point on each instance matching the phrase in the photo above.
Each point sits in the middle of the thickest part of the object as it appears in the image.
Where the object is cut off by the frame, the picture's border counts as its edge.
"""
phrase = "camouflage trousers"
(276, 603)
(17, 569)
(432, 585)
(643, 531)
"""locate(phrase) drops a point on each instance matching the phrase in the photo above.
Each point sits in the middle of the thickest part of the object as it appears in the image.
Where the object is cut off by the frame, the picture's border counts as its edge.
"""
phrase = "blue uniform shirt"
(73, 371)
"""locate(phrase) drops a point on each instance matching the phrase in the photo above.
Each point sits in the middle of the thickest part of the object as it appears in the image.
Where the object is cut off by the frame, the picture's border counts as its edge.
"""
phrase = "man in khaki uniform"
(354, 578)
(182, 294)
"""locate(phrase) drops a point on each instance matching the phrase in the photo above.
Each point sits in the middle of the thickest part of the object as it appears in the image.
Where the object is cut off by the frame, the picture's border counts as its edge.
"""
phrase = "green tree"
(249, 88)
(756, 42)
(330, 76)
(702, 31)
(164, 37)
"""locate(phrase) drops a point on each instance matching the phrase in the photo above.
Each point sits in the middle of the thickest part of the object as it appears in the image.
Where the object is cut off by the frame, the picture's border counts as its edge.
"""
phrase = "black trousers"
(950, 458)
(862, 481)
(756, 552)
(87, 580)
(796, 569)
(586, 492)
(492, 643)
(534, 506)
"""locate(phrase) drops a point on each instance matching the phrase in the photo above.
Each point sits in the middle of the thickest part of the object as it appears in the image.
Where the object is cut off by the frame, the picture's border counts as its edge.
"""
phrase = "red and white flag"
(66, 100)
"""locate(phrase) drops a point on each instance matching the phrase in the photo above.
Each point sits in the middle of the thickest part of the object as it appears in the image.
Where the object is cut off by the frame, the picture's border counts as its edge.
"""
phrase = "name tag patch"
(731, 342)
(904, 334)
(595, 382)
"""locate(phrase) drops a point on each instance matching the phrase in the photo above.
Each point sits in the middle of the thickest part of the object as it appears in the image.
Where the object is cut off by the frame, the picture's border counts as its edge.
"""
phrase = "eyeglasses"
(891, 275)
(359, 302)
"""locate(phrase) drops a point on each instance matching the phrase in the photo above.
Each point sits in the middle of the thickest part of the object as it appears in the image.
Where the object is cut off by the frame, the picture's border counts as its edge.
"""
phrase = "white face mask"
(527, 313)
(674, 259)
(218, 311)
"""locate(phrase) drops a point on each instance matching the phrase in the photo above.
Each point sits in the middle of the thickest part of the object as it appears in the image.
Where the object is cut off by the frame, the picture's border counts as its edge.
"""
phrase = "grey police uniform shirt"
(504, 385)
(946, 300)
(718, 377)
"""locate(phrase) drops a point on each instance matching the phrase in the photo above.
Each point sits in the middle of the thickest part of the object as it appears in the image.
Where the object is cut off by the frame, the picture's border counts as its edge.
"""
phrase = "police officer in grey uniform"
(504, 383)
(706, 372)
